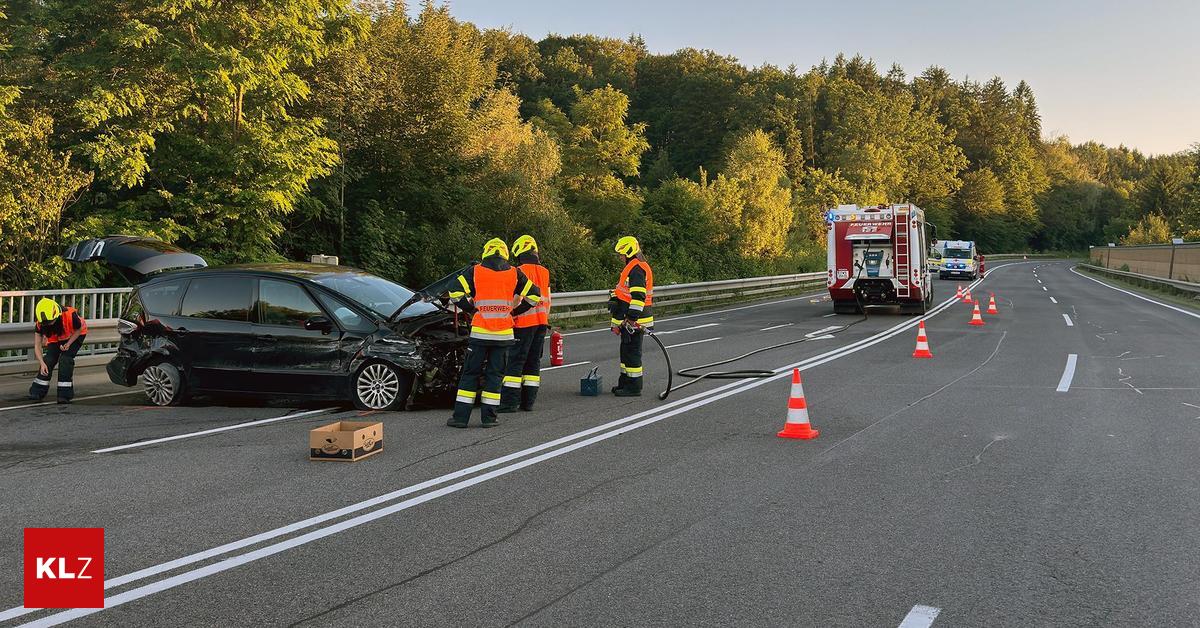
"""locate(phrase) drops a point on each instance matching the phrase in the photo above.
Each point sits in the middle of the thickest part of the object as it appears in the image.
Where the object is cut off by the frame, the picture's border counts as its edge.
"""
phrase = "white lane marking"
(1039, 281)
(46, 403)
(1053, 300)
(705, 398)
(1134, 294)
(920, 617)
(828, 315)
(819, 332)
(1044, 288)
(714, 312)
(776, 327)
(1064, 383)
(1190, 405)
(565, 366)
(694, 342)
(676, 331)
(1067, 319)
(215, 430)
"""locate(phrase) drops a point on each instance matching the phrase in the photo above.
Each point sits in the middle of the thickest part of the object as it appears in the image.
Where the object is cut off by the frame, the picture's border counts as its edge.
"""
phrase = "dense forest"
(401, 140)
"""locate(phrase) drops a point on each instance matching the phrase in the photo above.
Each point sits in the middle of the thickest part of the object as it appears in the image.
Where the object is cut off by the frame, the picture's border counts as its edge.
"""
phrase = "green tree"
(1153, 229)
(761, 209)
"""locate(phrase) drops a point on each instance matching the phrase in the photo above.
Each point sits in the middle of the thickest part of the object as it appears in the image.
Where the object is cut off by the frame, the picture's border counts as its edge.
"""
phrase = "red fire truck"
(877, 256)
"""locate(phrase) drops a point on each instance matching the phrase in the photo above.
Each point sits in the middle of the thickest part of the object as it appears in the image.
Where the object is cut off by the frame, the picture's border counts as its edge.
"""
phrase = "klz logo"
(64, 567)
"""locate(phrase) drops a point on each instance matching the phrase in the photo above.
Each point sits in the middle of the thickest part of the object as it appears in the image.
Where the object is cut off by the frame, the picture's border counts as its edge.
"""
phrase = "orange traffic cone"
(797, 425)
(959, 296)
(976, 319)
(922, 350)
(992, 304)
(967, 297)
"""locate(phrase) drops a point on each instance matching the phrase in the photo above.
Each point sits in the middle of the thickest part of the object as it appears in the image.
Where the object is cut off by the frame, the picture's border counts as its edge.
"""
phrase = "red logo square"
(64, 567)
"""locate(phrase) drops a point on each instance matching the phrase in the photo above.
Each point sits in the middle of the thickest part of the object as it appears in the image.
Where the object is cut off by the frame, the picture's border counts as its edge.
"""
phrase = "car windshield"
(958, 253)
(376, 293)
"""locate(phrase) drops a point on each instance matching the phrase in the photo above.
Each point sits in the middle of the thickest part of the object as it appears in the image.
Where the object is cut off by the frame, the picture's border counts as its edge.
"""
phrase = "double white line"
(498, 467)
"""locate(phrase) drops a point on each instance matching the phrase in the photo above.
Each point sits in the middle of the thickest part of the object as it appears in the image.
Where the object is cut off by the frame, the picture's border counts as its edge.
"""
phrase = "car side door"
(213, 330)
(298, 344)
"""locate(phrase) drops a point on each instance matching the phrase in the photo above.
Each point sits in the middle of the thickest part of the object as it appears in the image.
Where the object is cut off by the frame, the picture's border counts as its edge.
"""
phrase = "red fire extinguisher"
(556, 348)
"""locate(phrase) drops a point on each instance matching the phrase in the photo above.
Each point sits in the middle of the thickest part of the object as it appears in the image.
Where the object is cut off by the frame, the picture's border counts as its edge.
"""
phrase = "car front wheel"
(163, 384)
(381, 386)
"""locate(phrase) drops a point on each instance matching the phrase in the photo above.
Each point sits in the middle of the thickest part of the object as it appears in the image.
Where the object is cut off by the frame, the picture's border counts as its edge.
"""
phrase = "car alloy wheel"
(161, 384)
(378, 386)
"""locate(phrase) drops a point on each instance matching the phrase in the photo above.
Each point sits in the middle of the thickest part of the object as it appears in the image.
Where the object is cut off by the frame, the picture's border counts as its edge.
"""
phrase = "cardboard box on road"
(345, 440)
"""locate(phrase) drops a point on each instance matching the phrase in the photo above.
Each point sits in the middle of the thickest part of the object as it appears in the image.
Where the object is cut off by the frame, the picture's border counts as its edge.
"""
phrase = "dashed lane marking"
(676, 331)
(1067, 319)
(1053, 300)
(712, 313)
(565, 366)
(1064, 383)
(820, 332)
(776, 327)
(694, 342)
(215, 430)
(920, 617)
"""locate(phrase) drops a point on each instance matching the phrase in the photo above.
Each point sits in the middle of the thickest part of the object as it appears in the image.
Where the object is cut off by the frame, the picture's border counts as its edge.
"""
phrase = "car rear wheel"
(163, 384)
(381, 386)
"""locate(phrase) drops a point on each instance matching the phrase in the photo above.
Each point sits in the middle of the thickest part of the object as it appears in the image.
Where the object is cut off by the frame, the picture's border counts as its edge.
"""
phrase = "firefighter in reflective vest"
(522, 375)
(630, 305)
(488, 291)
(61, 334)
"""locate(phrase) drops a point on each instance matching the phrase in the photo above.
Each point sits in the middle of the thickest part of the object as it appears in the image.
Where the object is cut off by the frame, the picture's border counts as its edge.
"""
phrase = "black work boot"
(510, 398)
(631, 389)
(490, 421)
(528, 396)
(456, 422)
(622, 383)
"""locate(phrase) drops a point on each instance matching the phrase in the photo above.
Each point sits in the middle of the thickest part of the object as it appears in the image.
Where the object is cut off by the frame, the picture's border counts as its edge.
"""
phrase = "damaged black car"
(283, 330)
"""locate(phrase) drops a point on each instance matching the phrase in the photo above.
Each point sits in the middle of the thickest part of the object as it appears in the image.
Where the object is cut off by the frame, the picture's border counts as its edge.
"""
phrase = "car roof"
(296, 270)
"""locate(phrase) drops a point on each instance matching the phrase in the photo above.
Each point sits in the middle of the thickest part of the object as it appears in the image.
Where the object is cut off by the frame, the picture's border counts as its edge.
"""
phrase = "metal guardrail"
(102, 306)
(1185, 286)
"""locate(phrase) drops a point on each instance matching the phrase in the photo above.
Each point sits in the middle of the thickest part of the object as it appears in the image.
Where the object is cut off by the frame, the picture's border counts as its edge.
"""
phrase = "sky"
(1114, 71)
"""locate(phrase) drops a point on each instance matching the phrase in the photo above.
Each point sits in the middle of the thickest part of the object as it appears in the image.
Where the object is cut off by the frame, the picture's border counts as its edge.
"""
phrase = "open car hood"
(135, 258)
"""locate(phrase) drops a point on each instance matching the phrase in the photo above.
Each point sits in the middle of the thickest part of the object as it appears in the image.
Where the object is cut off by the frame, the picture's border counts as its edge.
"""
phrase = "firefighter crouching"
(487, 291)
(522, 375)
(631, 314)
(61, 333)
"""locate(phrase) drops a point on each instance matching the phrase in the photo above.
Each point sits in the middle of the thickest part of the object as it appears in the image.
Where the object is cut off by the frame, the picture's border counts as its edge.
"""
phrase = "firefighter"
(487, 290)
(61, 333)
(631, 314)
(522, 375)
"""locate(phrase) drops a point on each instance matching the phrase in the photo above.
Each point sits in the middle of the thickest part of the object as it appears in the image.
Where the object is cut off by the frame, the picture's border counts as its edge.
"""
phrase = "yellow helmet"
(495, 246)
(523, 244)
(627, 246)
(47, 310)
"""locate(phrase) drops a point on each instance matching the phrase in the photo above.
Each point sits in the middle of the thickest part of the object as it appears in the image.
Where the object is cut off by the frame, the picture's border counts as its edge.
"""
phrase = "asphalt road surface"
(1040, 470)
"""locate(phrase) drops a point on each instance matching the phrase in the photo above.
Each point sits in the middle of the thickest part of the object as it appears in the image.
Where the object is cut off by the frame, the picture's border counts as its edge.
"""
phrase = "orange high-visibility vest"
(493, 301)
(540, 313)
(68, 327)
(622, 290)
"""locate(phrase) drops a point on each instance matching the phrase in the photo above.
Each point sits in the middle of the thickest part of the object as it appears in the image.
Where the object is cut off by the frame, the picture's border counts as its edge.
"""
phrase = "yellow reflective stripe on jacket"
(465, 396)
(638, 289)
(481, 333)
(532, 380)
(465, 286)
(491, 398)
(512, 381)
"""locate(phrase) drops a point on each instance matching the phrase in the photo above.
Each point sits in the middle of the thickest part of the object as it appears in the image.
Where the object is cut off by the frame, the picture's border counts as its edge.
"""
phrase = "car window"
(223, 298)
(285, 303)
(161, 299)
(344, 314)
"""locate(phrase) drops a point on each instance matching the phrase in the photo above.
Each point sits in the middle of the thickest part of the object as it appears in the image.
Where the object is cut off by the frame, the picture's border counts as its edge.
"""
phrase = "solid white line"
(1068, 320)
(676, 331)
(828, 315)
(47, 403)
(1053, 300)
(704, 398)
(216, 430)
(1064, 384)
(776, 327)
(694, 342)
(714, 312)
(1134, 294)
(920, 617)
(565, 366)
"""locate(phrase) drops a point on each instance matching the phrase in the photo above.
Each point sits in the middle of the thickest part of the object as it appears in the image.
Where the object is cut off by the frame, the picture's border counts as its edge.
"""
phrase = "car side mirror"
(319, 323)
